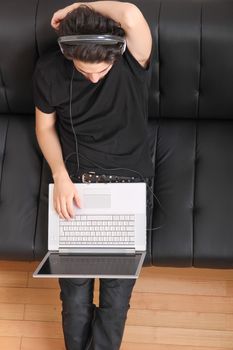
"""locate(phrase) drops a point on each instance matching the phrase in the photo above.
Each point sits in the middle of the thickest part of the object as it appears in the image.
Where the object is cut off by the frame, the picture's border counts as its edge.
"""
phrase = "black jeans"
(88, 327)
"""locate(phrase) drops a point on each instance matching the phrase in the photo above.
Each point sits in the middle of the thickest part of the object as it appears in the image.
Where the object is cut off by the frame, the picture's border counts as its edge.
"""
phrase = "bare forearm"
(50, 146)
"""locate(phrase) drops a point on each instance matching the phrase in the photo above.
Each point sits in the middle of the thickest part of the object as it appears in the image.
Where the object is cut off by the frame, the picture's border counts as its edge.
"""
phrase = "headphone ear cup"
(123, 48)
(60, 45)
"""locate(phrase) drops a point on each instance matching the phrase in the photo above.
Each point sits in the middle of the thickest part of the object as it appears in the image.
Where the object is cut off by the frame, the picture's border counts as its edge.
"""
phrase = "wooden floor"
(171, 309)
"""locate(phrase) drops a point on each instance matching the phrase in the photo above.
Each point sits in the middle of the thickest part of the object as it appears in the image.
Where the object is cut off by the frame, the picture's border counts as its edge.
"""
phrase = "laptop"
(106, 238)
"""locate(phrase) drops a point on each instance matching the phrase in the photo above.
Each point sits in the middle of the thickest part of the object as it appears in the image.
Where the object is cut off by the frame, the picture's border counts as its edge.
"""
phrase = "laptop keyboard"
(97, 230)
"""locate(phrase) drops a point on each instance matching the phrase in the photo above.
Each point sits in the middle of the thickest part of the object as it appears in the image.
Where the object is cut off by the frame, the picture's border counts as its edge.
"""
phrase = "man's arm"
(138, 34)
(49, 143)
(64, 189)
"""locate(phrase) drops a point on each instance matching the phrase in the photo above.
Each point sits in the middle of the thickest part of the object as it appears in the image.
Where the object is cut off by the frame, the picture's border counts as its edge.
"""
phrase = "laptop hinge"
(72, 250)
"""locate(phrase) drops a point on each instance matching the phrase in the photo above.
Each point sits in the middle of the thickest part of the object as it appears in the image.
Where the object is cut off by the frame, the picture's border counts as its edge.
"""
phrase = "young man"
(105, 92)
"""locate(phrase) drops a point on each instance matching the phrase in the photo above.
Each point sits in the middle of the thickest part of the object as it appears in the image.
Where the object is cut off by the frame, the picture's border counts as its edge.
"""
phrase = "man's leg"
(110, 316)
(77, 311)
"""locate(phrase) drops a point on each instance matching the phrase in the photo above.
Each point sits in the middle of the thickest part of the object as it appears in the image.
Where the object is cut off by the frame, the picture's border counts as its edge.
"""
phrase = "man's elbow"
(133, 15)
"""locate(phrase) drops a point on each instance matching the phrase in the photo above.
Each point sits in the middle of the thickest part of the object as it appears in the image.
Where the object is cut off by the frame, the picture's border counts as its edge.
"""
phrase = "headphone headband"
(104, 39)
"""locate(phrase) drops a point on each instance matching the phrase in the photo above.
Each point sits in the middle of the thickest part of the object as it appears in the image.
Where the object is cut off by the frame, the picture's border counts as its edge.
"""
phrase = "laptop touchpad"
(97, 200)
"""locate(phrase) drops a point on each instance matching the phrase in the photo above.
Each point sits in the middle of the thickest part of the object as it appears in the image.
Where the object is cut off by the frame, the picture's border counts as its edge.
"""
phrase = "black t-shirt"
(109, 117)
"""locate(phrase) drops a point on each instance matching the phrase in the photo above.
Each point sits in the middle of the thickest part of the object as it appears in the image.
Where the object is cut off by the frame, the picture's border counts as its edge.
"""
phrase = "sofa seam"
(4, 153)
(157, 135)
(196, 136)
(5, 93)
(35, 29)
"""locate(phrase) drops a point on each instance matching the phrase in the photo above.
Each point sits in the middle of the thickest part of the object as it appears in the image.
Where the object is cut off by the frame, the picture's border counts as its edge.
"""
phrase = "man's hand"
(60, 14)
(63, 195)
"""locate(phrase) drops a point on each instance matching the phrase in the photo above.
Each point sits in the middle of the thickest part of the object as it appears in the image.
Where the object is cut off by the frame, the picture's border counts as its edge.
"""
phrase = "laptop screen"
(84, 264)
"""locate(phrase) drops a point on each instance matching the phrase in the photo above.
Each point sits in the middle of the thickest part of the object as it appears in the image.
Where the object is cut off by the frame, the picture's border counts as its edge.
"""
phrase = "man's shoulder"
(50, 62)
(136, 69)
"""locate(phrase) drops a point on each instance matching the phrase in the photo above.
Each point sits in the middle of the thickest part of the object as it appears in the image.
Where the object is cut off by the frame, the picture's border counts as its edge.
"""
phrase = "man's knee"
(115, 294)
(76, 291)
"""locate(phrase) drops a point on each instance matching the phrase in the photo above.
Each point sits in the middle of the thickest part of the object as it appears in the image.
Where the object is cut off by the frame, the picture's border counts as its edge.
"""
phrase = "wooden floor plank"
(229, 288)
(11, 265)
(11, 311)
(43, 313)
(187, 273)
(182, 302)
(178, 286)
(178, 336)
(42, 344)
(170, 319)
(10, 343)
(13, 279)
(30, 329)
(29, 296)
(34, 282)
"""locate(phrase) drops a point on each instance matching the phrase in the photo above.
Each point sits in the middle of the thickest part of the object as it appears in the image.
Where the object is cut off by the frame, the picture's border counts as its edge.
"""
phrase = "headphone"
(106, 40)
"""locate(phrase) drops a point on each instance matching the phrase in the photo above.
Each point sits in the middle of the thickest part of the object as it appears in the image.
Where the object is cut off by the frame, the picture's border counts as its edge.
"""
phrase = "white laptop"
(106, 238)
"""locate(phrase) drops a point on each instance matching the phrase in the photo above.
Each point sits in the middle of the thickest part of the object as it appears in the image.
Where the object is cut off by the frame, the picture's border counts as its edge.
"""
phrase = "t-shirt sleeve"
(42, 91)
(136, 68)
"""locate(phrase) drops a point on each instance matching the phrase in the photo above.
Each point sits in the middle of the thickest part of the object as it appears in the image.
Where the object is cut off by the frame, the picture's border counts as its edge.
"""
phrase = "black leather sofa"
(190, 130)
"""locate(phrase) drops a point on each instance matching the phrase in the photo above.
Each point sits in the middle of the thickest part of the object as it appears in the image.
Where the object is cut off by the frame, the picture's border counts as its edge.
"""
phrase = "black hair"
(85, 20)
